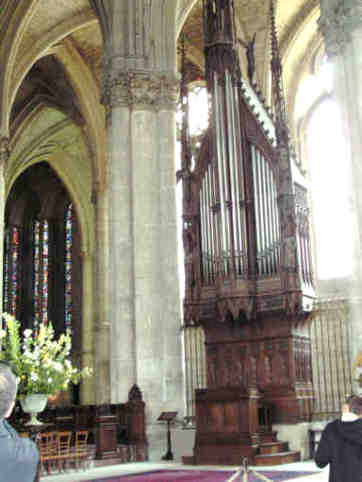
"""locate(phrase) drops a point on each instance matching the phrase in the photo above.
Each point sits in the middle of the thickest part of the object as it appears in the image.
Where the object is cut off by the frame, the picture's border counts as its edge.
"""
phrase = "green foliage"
(41, 363)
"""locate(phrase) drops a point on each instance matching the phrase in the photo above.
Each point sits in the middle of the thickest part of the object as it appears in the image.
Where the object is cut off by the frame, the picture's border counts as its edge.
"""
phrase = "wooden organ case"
(248, 264)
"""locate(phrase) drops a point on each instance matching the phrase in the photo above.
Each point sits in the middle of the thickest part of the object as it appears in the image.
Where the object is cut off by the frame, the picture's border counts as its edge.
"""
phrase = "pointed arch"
(50, 144)
(82, 81)
(16, 24)
(184, 7)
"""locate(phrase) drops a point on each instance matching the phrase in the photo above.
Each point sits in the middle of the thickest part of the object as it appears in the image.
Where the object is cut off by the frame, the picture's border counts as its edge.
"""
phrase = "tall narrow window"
(45, 283)
(68, 266)
(37, 268)
(333, 221)
(6, 271)
(11, 271)
(15, 270)
(41, 271)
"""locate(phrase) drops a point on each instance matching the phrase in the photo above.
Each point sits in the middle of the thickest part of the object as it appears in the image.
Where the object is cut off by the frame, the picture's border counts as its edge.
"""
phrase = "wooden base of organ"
(227, 426)
(259, 374)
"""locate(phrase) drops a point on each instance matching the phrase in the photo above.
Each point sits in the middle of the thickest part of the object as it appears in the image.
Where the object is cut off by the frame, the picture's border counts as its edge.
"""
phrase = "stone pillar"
(141, 282)
(101, 323)
(157, 302)
(87, 355)
(341, 25)
(143, 276)
(121, 283)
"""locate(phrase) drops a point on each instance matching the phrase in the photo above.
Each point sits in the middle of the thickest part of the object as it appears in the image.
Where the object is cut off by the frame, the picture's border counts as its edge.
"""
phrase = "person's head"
(355, 406)
(8, 387)
(346, 404)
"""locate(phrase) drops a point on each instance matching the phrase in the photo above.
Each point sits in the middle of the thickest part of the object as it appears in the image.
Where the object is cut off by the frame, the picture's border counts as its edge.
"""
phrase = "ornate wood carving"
(247, 262)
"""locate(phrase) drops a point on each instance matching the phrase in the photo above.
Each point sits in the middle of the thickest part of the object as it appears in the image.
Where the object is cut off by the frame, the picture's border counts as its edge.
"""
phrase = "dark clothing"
(18, 456)
(341, 447)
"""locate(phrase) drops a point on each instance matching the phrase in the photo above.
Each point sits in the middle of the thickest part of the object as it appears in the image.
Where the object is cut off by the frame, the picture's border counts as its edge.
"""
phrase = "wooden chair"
(48, 449)
(64, 453)
(81, 447)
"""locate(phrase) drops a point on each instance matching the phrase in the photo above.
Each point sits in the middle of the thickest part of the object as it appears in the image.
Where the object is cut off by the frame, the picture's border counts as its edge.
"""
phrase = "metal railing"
(331, 360)
(195, 366)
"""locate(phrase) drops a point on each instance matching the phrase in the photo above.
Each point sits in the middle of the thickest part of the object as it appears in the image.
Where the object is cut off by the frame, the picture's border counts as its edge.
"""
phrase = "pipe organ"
(248, 263)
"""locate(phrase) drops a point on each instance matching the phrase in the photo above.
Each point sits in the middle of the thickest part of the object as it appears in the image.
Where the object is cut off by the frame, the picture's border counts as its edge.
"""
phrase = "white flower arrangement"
(41, 362)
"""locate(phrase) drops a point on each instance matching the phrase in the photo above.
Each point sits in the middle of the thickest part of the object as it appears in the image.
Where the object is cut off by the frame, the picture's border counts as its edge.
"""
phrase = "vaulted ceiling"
(57, 51)
(51, 23)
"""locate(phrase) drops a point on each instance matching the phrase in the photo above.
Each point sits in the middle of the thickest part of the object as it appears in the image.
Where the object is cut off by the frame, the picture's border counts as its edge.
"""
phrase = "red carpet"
(200, 476)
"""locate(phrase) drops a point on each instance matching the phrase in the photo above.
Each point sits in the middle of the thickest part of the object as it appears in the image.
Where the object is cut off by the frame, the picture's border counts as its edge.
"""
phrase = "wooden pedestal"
(106, 433)
(227, 426)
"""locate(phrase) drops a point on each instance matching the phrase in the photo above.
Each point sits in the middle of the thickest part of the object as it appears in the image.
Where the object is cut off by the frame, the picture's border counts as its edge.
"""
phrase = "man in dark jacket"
(341, 447)
(18, 456)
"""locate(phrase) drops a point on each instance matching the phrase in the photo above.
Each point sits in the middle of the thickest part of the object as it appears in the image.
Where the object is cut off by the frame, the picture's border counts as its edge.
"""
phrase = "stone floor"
(133, 468)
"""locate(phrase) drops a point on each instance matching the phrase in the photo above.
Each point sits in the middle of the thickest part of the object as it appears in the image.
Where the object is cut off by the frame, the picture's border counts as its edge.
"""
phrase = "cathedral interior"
(185, 263)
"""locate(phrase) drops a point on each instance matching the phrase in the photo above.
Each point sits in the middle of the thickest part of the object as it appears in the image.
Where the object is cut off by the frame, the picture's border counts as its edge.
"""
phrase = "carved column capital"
(144, 89)
(4, 151)
(338, 23)
(140, 89)
(170, 92)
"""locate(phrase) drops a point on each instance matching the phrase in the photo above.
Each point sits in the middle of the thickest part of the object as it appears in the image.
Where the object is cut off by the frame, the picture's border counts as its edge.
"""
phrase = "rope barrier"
(244, 471)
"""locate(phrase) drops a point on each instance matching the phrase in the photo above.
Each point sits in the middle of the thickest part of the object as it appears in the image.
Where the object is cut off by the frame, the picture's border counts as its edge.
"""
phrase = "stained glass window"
(68, 266)
(45, 283)
(41, 274)
(14, 293)
(11, 271)
(6, 271)
(37, 270)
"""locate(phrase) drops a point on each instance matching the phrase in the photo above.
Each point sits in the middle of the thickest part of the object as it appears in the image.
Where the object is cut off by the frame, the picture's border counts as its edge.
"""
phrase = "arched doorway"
(42, 262)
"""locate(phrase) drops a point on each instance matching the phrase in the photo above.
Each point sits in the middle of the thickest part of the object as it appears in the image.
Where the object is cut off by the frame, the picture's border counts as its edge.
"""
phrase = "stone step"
(278, 458)
(188, 460)
(273, 447)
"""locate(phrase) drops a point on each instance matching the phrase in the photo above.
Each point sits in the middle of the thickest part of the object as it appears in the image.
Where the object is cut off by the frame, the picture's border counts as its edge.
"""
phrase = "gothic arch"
(83, 84)
(48, 147)
(304, 32)
(184, 7)
(43, 282)
(60, 143)
(17, 21)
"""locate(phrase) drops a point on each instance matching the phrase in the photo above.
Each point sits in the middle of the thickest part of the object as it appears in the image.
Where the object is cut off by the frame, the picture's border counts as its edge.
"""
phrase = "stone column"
(121, 283)
(143, 307)
(144, 299)
(157, 302)
(87, 355)
(341, 25)
(101, 323)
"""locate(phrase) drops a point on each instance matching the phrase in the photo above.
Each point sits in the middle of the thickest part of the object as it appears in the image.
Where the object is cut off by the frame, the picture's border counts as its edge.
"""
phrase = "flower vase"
(34, 404)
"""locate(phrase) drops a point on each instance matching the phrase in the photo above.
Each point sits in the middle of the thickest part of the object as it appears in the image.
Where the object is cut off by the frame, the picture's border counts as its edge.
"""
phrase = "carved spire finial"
(218, 21)
(186, 153)
(278, 89)
(135, 394)
(219, 37)
(186, 147)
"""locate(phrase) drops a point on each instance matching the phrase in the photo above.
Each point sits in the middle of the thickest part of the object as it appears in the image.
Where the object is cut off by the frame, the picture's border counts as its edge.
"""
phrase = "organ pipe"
(266, 216)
